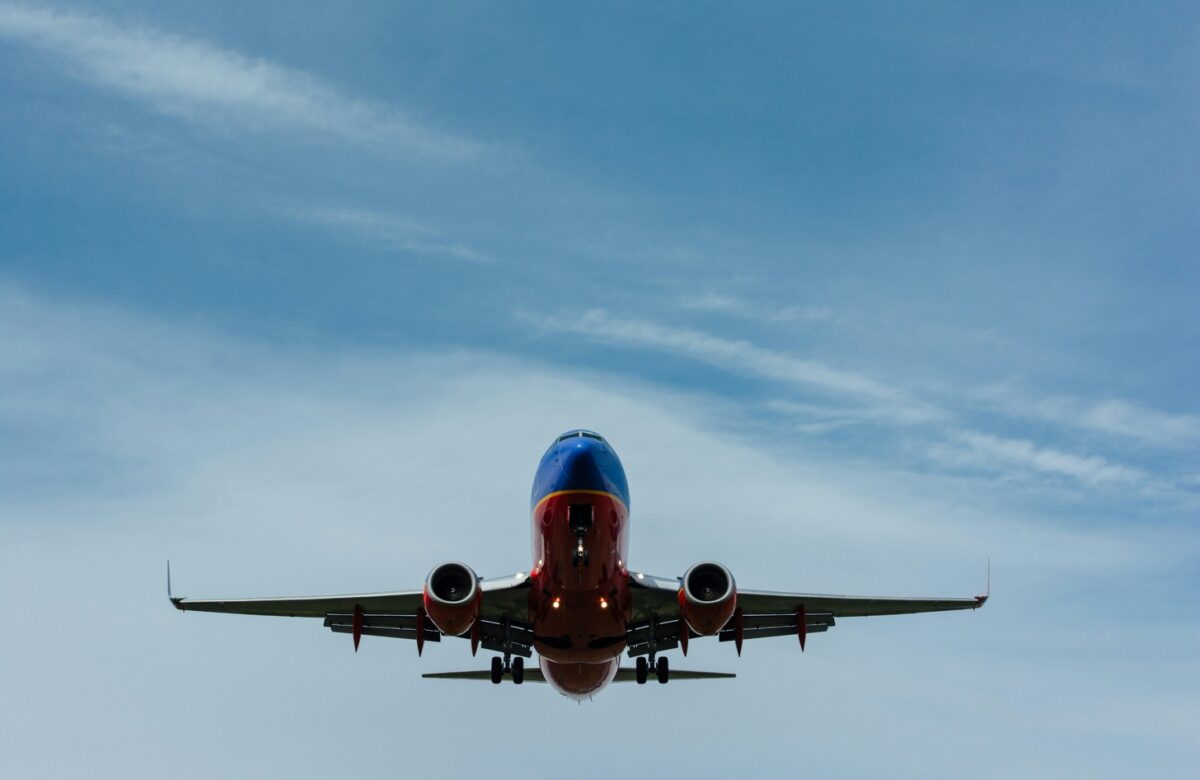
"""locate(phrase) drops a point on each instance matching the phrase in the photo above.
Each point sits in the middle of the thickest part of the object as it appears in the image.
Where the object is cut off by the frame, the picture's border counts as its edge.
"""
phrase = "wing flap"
(729, 634)
(391, 632)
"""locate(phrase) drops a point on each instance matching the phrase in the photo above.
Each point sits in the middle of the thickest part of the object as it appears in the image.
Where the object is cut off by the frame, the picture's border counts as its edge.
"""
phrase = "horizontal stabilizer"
(626, 674)
(531, 675)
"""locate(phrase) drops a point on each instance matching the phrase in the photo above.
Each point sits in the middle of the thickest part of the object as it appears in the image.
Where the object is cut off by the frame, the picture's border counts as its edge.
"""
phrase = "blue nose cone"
(580, 460)
(581, 463)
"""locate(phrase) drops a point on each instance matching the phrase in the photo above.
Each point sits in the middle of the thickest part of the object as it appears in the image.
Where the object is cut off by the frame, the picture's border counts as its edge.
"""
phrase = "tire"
(662, 670)
(497, 670)
(518, 670)
(641, 670)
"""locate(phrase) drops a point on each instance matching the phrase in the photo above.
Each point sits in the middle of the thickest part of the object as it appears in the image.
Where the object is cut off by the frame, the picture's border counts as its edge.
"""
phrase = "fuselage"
(579, 603)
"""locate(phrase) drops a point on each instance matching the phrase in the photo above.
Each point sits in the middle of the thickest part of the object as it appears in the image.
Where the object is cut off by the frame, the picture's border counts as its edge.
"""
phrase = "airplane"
(579, 607)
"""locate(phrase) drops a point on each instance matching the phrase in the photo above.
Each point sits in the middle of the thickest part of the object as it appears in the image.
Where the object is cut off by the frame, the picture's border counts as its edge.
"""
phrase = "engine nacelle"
(707, 597)
(452, 597)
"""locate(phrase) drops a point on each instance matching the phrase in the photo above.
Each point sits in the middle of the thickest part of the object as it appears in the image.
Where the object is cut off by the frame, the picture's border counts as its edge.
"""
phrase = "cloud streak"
(1109, 417)
(740, 357)
(208, 85)
(386, 230)
(996, 453)
(935, 428)
(723, 303)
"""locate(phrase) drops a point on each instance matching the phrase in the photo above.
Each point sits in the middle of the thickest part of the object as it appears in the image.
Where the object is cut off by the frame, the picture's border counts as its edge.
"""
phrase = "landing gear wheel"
(641, 670)
(497, 670)
(518, 670)
(662, 670)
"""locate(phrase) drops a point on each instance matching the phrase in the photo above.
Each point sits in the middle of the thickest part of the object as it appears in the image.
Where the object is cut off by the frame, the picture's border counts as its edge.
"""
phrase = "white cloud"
(386, 230)
(725, 303)
(1110, 417)
(1122, 418)
(857, 399)
(740, 357)
(1002, 454)
(203, 83)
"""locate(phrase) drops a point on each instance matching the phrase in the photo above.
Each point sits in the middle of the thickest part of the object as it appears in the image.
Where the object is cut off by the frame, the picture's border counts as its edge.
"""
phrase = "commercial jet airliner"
(579, 606)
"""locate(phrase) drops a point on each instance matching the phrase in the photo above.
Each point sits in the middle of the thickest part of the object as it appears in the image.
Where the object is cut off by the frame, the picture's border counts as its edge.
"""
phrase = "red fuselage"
(579, 603)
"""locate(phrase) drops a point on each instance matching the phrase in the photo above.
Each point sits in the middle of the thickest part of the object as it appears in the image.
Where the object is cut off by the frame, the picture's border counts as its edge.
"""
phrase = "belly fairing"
(579, 680)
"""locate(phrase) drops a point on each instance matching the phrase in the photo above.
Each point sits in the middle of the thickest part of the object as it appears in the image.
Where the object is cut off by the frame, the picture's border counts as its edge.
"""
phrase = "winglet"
(175, 602)
(987, 593)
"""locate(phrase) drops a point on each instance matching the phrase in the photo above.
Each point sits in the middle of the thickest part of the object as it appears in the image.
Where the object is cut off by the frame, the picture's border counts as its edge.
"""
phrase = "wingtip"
(176, 601)
(987, 593)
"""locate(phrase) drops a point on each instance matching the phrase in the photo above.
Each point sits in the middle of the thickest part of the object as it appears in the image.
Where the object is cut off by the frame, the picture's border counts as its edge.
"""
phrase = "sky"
(863, 295)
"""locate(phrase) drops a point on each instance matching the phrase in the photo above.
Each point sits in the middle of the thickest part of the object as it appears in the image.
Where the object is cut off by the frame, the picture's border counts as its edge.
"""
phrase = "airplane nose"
(581, 463)
(580, 460)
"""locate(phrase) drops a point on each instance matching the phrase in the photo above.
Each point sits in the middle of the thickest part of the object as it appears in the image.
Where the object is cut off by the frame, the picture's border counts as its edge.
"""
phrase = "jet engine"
(452, 597)
(707, 597)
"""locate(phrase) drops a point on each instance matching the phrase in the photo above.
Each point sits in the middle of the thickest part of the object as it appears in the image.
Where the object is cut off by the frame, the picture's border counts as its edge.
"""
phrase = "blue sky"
(863, 296)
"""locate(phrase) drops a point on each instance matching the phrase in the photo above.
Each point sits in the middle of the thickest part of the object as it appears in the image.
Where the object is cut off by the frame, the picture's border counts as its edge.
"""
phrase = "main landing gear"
(662, 670)
(514, 667)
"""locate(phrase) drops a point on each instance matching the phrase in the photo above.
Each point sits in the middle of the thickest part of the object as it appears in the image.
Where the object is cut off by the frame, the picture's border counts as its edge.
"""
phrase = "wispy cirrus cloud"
(742, 357)
(209, 85)
(386, 230)
(724, 303)
(999, 454)
(1108, 417)
(944, 427)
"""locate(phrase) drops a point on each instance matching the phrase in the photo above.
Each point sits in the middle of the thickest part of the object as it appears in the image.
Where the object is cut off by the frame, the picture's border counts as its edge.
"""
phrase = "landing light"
(603, 603)
(555, 603)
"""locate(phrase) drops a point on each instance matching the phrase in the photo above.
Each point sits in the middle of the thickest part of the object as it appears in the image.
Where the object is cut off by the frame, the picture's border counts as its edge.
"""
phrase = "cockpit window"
(577, 434)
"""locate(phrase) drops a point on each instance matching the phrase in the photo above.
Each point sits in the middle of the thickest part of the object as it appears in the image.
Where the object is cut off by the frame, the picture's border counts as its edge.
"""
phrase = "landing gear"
(662, 669)
(514, 667)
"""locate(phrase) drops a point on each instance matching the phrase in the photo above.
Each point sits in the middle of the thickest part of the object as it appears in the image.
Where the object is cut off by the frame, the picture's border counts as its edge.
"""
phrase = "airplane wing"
(503, 613)
(656, 623)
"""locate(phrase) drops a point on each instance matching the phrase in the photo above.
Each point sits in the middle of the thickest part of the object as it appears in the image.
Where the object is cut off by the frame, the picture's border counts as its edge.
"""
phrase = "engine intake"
(452, 598)
(707, 597)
